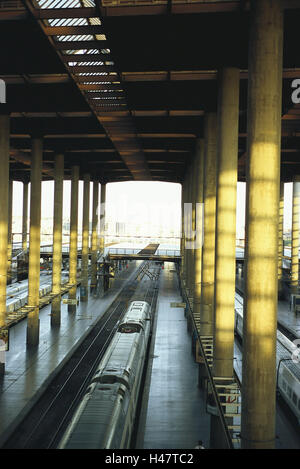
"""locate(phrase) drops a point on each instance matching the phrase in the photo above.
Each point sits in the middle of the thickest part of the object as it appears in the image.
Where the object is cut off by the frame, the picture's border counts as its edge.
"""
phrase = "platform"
(173, 414)
(28, 371)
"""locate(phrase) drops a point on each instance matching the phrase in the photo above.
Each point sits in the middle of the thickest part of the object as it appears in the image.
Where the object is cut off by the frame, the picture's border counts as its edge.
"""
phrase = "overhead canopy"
(121, 87)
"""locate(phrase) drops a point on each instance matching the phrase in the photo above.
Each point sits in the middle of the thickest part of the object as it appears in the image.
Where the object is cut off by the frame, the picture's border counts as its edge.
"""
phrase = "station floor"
(28, 370)
(173, 413)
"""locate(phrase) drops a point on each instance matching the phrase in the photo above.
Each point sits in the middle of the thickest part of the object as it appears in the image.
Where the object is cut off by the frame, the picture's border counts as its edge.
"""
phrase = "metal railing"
(221, 388)
(131, 251)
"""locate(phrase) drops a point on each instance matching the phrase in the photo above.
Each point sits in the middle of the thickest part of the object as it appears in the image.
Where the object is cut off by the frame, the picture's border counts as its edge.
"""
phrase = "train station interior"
(129, 333)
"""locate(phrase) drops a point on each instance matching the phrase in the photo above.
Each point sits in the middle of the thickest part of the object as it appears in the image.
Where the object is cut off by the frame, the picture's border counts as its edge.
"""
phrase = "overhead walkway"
(29, 370)
(166, 253)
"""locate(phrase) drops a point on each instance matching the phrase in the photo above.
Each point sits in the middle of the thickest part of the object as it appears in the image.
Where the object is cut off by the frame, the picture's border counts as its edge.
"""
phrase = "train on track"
(287, 368)
(106, 414)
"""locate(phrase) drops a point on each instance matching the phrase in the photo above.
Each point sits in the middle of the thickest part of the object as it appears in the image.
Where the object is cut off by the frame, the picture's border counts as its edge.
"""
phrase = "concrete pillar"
(94, 235)
(85, 239)
(295, 235)
(4, 178)
(73, 237)
(9, 234)
(34, 241)
(199, 225)
(57, 238)
(193, 229)
(208, 249)
(188, 218)
(280, 241)
(182, 239)
(25, 216)
(102, 217)
(263, 175)
(225, 243)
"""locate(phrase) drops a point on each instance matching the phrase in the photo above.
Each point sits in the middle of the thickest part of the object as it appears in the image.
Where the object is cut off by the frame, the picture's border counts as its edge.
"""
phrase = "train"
(287, 368)
(105, 415)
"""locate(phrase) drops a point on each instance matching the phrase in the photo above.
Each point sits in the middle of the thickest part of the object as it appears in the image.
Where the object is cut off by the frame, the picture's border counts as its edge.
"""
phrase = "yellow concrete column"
(193, 229)
(94, 235)
(225, 248)
(208, 249)
(4, 178)
(199, 225)
(84, 294)
(262, 201)
(182, 253)
(34, 241)
(9, 234)
(188, 232)
(295, 235)
(280, 240)
(57, 238)
(25, 216)
(102, 217)
(73, 237)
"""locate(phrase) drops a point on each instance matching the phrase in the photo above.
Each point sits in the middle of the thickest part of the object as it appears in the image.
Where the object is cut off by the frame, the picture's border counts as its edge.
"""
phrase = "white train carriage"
(105, 417)
(288, 372)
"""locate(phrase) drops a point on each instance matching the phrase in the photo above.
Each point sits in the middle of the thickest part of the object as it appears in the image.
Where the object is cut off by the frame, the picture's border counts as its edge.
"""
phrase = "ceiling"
(121, 87)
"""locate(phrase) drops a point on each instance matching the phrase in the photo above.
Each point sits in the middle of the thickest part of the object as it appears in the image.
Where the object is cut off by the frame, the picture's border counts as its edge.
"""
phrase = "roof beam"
(73, 30)
(58, 13)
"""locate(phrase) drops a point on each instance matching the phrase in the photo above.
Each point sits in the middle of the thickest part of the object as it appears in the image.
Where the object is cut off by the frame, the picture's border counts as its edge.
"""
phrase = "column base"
(55, 312)
(33, 332)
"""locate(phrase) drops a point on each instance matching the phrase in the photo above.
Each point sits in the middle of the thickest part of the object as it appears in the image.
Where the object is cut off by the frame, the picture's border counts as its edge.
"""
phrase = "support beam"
(295, 235)
(262, 201)
(182, 239)
(225, 248)
(73, 237)
(25, 216)
(193, 229)
(280, 241)
(208, 250)
(188, 218)
(57, 238)
(102, 218)
(4, 178)
(84, 294)
(9, 234)
(225, 241)
(34, 242)
(95, 235)
(199, 225)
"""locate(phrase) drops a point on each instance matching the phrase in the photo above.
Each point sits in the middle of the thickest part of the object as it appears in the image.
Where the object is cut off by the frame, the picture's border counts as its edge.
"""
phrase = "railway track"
(45, 423)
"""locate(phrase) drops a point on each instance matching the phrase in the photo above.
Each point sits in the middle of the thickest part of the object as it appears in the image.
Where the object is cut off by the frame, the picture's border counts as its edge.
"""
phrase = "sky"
(139, 202)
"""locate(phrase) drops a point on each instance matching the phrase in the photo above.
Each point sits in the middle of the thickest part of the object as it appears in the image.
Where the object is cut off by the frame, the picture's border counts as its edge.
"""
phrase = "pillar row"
(102, 217)
(57, 238)
(4, 178)
(95, 235)
(73, 237)
(208, 250)
(25, 216)
(85, 239)
(34, 241)
(295, 235)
